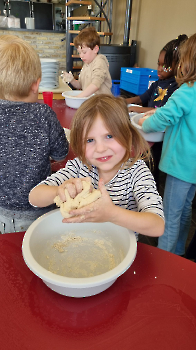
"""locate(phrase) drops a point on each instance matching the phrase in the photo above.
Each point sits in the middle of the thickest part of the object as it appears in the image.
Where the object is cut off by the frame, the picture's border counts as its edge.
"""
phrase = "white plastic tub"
(86, 250)
(151, 136)
(72, 100)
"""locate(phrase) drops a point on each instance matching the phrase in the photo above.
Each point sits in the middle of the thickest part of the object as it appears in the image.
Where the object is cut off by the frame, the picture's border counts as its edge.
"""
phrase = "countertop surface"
(62, 87)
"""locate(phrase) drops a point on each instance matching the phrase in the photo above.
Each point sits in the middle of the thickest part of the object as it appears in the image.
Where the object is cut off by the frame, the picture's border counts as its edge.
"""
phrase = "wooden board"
(57, 92)
(78, 2)
(85, 18)
(100, 33)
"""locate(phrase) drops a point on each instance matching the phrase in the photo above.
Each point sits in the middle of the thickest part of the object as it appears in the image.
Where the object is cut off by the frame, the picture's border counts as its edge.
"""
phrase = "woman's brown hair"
(186, 72)
(114, 112)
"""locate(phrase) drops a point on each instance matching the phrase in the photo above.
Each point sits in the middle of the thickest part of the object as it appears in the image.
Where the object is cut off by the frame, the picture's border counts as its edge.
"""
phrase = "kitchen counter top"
(57, 92)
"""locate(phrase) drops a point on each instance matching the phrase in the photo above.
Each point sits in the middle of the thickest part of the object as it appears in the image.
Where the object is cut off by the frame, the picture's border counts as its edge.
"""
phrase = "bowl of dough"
(77, 259)
(151, 136)
(72, 100)
(131, 114)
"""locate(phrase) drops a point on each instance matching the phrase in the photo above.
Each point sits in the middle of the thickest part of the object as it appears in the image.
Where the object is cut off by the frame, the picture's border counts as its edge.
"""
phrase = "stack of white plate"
(50, 73)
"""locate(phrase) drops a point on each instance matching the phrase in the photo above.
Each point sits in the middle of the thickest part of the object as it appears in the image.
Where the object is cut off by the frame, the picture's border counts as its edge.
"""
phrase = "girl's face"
(103, 151)
(86, 54)
(164, 72)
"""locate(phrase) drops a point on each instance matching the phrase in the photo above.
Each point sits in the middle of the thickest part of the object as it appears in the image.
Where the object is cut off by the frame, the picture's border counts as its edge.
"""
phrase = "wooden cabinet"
(42, 12)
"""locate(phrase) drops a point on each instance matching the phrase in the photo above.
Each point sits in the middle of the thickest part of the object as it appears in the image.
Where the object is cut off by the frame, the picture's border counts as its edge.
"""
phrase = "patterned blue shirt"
(30, 134)
(149, 98)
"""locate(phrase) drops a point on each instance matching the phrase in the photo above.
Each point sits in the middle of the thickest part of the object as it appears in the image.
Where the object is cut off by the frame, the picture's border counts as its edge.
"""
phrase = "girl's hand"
(98, 211)
(73, 186)
(149, 113)
(146, 115)
(141, 120)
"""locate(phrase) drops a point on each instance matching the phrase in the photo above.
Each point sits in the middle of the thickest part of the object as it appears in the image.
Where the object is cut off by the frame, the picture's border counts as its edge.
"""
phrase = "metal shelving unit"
(98, 19)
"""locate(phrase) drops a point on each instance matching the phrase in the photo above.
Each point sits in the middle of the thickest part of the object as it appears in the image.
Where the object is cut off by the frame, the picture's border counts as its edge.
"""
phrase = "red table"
(152, 306)
(65, 115)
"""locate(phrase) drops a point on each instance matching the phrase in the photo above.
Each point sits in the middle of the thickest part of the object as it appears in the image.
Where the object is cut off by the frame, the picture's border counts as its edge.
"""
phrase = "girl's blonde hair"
(186, 72)
(20, 67)
(114, 112)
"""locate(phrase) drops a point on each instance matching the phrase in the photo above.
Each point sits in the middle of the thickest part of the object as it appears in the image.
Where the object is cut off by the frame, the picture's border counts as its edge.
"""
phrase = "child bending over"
(109, 152)
(160, 91)
(94, 76)
(29, 134)
(177, 117)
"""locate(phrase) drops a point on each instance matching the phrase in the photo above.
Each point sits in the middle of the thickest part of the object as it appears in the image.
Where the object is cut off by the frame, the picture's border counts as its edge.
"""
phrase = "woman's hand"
(73, 186)
(99, 211)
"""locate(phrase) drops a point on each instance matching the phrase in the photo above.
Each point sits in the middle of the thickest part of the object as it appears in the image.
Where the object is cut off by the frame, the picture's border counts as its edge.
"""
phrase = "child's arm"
(135, 100)
(174, 111)
(76, 84)
(91, 89)
(43, 195)
(147, 115)
(139, 109)
(104, 210)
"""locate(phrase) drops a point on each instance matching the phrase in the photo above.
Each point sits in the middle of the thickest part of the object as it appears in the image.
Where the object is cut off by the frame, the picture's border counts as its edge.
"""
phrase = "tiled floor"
(152, 240)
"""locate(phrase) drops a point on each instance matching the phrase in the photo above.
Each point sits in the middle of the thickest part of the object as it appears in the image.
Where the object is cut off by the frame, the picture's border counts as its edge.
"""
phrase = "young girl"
(109, 153)
(94, 76)
(177, 117)
(160, 91)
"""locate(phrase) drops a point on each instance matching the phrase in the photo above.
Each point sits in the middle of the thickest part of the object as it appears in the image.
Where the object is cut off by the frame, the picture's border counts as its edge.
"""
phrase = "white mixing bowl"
(72, 100)
(77, 260)
(151, 136)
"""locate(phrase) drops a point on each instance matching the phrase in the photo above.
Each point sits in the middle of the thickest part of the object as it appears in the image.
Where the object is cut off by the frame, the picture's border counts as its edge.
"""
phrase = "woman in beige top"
(95, 76)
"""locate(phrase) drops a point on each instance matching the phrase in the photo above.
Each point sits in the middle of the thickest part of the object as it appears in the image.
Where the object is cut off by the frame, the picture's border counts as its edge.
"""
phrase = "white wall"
(153, 24)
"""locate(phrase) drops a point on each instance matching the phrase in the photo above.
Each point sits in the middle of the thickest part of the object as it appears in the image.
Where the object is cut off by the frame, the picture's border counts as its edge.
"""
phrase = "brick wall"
(47, 44)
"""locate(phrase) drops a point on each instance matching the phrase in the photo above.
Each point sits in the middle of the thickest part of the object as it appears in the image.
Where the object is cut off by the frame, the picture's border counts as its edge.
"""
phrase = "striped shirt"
(132, 188)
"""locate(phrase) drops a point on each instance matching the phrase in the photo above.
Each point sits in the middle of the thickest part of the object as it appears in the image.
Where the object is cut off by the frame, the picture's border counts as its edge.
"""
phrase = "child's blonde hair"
(114, 112)
(186, 72)
(88, 37)
(20, 67)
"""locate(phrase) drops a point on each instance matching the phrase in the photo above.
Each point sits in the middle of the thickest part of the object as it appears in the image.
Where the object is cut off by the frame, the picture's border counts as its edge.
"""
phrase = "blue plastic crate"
(115, 87)
(137, 80)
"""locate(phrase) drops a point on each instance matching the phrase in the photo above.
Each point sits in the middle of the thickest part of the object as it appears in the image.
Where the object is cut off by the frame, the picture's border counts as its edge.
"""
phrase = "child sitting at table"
(109, 153)
(177, 117)
(29, 134)
(94, 76)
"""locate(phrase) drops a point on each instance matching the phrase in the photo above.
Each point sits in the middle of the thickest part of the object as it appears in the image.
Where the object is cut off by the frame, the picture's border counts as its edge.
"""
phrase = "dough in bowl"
(81, 200)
